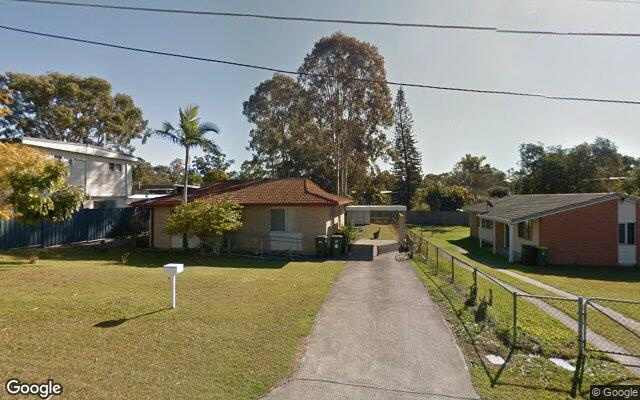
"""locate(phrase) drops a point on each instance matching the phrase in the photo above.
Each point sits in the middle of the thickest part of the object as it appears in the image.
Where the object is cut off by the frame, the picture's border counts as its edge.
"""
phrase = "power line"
(338, 21)
(298, 73)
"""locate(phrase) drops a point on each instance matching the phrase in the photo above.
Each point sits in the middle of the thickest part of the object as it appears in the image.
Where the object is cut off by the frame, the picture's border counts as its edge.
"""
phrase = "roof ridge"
(320, 195)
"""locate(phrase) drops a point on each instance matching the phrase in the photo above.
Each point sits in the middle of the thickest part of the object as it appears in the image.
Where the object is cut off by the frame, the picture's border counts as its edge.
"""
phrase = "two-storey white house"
(106, 175)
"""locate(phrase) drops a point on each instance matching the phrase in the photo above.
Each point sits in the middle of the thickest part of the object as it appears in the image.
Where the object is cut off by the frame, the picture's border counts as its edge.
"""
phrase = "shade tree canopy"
(33, 188)
(70, 108)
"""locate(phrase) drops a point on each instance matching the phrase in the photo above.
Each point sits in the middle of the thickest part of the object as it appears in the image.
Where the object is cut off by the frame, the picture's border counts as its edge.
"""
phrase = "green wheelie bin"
(543, 256)
(336, 245)
(321, 246)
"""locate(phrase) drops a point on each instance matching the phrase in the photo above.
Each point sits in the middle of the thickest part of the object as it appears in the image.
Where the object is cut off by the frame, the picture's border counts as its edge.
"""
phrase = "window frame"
(272, 220)
(627, 233)
(525, 230)
(115, 167)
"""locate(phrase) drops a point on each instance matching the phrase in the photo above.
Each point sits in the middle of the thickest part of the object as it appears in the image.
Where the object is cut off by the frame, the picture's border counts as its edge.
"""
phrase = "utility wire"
(337, 21)
(298, 73)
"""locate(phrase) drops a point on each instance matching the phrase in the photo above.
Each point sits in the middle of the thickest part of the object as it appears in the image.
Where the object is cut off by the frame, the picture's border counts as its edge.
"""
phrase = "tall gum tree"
(344, 78)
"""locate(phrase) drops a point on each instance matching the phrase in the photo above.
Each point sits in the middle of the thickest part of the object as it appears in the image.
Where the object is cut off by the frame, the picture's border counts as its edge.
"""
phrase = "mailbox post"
(173, 270)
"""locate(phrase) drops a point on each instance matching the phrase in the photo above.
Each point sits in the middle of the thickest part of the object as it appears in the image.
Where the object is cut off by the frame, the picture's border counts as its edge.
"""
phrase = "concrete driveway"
(379, 336)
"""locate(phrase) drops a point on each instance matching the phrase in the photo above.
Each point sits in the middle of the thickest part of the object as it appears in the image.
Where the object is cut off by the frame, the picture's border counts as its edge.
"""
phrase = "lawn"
(104, 330)
(612, 282)
(527, 375)
(622, 282)
(376, 231)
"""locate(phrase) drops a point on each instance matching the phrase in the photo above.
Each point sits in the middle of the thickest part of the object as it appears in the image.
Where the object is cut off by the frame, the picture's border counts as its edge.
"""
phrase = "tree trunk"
(185, 191)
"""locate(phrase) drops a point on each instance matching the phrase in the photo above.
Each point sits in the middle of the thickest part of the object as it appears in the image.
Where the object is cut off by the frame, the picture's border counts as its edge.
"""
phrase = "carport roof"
(518, 208)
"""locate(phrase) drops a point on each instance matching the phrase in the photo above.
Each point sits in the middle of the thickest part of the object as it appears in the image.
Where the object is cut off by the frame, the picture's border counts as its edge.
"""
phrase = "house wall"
(518, 242)
(638, 233)
(473, 223)
(585, 236)
(500, 234)
(486, 235)
(303, 223)
(627, 214)
(161, 240)
(92, 172)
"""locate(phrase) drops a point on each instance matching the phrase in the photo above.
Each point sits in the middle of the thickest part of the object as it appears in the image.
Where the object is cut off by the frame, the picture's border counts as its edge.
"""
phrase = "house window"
(115, 167)
(488, 224)
(278, 220)
(627, 233)
(524, 230)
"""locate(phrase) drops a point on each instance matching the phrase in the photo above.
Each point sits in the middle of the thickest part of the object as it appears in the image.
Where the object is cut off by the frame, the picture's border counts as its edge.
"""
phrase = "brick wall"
(310, 221)
(584, 236)
(160, 239)
(473, 223)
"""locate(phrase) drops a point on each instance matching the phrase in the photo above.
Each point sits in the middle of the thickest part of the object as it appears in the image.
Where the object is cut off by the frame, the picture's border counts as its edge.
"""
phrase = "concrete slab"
(379, 335)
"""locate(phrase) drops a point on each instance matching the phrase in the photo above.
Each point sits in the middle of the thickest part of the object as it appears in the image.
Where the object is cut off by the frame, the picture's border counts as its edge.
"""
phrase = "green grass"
(376, 231)
(526, 375)
(618, 281)
(586, 281)
(104, 330)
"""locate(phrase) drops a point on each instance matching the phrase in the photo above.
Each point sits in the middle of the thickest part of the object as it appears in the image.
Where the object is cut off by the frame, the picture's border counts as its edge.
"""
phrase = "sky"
(447, 124)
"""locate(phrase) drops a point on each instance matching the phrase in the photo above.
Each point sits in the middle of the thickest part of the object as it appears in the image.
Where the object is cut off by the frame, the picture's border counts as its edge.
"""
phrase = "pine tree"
(407, 161)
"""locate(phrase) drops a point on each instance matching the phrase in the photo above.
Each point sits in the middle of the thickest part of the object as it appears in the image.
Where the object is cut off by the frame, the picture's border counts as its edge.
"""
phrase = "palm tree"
(472, 169)
(190, 133)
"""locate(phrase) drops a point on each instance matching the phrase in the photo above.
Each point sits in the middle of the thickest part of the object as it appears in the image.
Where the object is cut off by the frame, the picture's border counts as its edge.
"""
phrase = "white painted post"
(512, 238)
(173, 291)
(494, 237)
(173, 270)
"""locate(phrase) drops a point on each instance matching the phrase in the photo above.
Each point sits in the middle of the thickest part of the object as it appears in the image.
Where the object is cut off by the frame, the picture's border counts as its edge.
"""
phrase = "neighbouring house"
(105, 175)
(158, 190)
(278, 215)
(166, 188)
(577, 228)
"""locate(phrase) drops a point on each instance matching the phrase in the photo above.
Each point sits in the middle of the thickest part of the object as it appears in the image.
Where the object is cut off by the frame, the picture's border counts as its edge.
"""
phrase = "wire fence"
(265, 246)
(551, 326)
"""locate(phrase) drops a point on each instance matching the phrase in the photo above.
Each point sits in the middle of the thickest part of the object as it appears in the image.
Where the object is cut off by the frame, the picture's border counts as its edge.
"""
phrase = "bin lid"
(543, 248)
(321, 237)
(336, 236)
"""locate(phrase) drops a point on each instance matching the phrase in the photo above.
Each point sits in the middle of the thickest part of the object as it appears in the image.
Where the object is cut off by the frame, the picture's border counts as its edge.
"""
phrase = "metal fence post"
(427, 248)
(581, 326)
(582, 332)
(515, 319)
(453, 274)
(475, 277)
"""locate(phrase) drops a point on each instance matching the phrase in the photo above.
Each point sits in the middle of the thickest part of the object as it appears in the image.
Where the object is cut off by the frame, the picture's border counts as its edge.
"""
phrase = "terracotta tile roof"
(285, 192)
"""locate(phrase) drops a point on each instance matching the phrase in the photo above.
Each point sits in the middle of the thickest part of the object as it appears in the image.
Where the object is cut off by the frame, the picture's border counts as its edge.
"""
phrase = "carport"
(378, 214)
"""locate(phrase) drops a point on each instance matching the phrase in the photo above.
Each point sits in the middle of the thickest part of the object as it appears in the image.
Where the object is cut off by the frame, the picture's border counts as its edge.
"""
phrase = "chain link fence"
(551, 326)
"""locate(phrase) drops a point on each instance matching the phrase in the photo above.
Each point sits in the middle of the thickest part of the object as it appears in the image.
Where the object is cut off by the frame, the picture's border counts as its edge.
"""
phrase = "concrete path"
(631, 363)
(627, 322)
(379, 336)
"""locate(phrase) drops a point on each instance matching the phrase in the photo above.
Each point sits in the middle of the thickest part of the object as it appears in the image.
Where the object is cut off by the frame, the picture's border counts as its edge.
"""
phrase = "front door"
(507, 235)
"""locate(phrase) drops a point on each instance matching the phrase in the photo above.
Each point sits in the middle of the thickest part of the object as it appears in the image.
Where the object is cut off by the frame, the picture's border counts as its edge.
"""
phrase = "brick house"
(577, 228)
(281, 214)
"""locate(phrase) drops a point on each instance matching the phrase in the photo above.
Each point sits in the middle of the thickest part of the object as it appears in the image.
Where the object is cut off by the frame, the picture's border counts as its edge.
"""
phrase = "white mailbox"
(173, 269)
